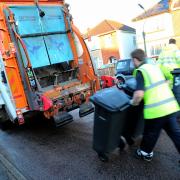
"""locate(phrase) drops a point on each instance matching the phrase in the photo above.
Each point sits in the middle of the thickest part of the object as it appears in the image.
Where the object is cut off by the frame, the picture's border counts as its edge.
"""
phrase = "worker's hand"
(137, 97)
(132, 103)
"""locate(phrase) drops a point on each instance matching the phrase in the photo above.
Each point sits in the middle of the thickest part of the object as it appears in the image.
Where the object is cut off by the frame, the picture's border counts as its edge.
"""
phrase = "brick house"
(108, 40)
(160, 23)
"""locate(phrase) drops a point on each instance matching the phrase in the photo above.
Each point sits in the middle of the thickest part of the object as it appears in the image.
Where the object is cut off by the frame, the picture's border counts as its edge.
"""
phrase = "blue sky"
(88, 13)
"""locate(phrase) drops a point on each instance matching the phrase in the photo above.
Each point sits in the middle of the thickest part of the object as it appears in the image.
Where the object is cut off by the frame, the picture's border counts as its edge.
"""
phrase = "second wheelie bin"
(111, 106)
(176, 87)
(176, 83)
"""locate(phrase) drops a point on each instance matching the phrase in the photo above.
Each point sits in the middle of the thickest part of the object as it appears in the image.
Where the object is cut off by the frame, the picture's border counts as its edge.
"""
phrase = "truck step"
(62, 118)
(86, 109)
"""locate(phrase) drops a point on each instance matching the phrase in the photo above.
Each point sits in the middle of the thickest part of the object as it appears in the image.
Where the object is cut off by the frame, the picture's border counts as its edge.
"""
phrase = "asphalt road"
(38, 151)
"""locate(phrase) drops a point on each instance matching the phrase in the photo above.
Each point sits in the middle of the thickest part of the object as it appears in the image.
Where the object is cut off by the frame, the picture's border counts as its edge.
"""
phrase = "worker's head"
(138, 57)
(172, 41)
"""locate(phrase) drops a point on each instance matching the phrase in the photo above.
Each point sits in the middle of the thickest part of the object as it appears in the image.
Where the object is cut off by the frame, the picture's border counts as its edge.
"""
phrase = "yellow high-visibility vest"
(159, 99)
(168, 60)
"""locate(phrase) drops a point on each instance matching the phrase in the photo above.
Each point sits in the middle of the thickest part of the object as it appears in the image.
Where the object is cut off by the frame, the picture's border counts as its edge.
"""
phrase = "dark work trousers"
(153, 128)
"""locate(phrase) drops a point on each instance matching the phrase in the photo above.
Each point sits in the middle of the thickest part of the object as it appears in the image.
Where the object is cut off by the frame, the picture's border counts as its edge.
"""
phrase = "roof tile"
(161, 7)
(108, 26)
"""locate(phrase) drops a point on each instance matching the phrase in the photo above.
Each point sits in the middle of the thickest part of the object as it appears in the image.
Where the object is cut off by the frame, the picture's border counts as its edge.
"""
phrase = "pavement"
(4, 175)
(8, 171)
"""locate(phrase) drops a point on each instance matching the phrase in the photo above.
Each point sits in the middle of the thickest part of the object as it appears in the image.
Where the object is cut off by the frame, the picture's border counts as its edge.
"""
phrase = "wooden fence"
(109, 70)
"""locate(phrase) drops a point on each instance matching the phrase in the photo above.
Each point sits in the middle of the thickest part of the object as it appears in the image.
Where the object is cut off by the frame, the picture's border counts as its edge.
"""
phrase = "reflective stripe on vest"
(155, 84)
(159, 103)
(159, 100)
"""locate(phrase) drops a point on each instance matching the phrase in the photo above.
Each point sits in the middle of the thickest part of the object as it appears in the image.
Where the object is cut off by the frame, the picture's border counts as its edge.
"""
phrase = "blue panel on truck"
(58, 48)
(27, 19)
(43, 49)
(53, 20)
(36, 51)
(29, 22)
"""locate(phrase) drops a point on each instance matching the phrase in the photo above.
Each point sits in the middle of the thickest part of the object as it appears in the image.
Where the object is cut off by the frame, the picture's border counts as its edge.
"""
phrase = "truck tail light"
(20, 117)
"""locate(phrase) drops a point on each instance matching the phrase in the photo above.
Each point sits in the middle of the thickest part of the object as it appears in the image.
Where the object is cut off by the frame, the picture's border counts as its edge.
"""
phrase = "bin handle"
(124, 107)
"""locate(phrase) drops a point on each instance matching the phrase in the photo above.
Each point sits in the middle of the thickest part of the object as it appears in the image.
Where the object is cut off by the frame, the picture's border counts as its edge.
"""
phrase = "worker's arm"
(139, 92)
(137, 97)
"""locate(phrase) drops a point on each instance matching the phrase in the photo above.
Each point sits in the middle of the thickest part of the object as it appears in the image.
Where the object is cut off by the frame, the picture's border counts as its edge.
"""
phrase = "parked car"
(124, 70)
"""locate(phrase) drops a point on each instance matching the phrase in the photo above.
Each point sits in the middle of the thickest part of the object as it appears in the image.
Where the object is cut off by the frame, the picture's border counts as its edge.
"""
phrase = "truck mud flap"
(86, 109)
(62, 118)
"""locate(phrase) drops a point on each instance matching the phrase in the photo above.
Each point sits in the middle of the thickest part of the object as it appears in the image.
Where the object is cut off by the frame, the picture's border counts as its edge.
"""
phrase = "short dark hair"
(172, 41)
(138, 54)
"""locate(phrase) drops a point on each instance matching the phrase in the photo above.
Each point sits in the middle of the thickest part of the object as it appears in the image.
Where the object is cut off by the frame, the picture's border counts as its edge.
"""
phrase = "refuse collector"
(160, 105)
(169, 59)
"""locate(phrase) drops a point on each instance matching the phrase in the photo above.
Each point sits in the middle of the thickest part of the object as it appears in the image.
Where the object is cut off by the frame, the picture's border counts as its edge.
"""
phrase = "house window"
(108, 41)
(100, 62)
(156, 50)
(94, 43)
(134, 41)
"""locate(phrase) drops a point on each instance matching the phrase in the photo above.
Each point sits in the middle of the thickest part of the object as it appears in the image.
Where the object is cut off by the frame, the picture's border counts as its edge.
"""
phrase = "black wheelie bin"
(111, 107)
(134, 125)
(176, 83)
(176, 87)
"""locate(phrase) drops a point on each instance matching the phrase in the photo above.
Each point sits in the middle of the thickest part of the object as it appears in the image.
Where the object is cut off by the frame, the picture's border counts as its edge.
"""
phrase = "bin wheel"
(103, 157)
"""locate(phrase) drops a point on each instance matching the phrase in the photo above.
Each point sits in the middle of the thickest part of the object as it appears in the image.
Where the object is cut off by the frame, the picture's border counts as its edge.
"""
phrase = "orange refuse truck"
(44, 63)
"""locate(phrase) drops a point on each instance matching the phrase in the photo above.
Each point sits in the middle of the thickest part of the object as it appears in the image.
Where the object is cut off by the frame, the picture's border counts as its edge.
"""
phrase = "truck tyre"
(4, 120)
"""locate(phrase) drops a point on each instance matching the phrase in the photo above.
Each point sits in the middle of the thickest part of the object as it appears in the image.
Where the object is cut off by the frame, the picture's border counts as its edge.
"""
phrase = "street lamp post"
(144, 41)
(143, 33)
